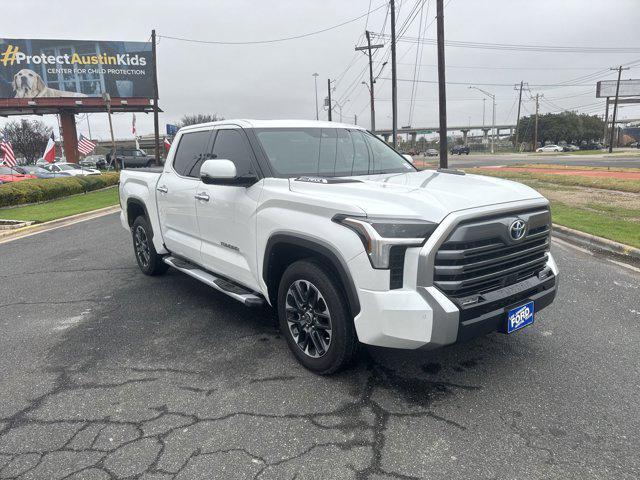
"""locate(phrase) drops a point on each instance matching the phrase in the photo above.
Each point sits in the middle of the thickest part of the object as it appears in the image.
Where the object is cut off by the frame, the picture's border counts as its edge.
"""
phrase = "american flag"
(7, 153)
(85, 146)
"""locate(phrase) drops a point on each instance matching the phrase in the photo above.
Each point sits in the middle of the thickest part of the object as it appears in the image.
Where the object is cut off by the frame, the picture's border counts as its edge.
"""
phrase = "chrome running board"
(235, 291)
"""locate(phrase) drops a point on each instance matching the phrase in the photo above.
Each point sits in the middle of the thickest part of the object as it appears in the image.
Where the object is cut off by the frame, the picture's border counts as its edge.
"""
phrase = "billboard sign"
(628, 88)
(75, 68)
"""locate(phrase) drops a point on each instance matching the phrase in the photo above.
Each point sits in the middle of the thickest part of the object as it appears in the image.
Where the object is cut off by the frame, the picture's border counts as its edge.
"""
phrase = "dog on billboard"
(28, 84)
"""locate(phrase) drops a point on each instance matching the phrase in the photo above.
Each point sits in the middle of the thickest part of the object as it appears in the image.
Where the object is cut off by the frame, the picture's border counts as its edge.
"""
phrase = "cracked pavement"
(106, 373)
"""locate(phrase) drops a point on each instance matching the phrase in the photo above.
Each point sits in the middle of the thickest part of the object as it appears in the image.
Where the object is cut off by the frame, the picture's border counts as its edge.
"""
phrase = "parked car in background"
(460, 149)
(432, 152)
(132, 158)
(570, 148)
(42, 162)
(592, 146)
(7, 175)
(549, 148)
(37, 171)
(72, 169)
(94, 161)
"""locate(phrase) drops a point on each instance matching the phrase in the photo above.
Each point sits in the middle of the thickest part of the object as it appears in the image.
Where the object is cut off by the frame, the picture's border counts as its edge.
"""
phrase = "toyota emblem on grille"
(517, 229)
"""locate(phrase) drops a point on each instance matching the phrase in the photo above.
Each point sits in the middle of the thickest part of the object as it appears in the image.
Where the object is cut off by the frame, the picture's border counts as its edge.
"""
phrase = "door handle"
(162, 189)
(204, 196)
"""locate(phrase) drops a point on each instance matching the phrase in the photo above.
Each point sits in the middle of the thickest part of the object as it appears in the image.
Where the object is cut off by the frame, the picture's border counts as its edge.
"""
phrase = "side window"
(190, 152)
(327, 160)
(345, 151)
(233, 145)
(361, 160)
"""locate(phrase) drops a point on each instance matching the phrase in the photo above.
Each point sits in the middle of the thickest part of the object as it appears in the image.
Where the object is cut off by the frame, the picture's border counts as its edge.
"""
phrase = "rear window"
(328, 152)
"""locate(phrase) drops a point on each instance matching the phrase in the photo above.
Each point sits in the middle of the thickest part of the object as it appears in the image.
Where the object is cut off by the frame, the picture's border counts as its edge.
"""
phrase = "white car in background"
(71, 169)
(549, 148)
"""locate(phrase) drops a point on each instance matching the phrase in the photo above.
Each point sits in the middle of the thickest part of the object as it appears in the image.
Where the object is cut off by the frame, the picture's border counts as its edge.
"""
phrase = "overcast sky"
(274, 80)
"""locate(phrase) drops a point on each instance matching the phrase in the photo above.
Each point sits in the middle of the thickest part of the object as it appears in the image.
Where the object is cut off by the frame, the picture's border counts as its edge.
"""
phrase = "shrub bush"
(42, 189)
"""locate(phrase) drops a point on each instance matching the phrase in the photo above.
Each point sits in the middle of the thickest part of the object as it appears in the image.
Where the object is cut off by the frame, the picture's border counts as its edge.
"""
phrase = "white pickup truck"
(342, 236)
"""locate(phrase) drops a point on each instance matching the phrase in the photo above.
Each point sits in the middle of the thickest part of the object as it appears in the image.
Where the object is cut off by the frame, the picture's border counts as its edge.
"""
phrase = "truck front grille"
(480, 255)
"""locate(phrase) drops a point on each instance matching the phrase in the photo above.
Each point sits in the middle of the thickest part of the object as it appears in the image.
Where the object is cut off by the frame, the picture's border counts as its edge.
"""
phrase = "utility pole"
(394, 80)
(329, 97)
(615, 107)
(315, 80)
(372, 80)
(156, 109)
(114, 159)
(442, 88)
(518, 117)
(606, 122)
(535, 130)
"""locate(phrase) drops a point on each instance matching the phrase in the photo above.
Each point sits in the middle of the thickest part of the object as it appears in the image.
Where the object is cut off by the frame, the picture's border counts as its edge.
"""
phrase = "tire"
(305, 327)
(149, 261)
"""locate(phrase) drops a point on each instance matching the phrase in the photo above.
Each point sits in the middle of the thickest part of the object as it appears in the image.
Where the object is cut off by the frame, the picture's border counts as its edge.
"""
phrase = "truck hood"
(428, 195)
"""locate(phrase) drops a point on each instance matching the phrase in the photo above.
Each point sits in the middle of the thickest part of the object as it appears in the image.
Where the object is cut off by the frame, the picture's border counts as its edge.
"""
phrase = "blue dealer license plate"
(520, 317)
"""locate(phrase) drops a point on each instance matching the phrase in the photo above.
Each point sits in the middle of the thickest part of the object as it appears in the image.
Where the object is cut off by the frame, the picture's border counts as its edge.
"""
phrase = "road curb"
(598, 244)
(10, 235)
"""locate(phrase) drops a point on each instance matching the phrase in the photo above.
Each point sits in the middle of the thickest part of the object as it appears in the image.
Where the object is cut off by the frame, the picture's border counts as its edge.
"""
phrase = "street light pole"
(493, 126)
(315, 80)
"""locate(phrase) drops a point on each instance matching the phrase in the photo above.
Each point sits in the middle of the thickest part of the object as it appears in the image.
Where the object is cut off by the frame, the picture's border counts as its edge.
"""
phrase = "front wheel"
(148, 259)
(314, 318)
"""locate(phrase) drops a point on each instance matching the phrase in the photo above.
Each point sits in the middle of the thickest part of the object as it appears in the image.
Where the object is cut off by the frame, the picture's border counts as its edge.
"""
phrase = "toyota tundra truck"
(342, 236)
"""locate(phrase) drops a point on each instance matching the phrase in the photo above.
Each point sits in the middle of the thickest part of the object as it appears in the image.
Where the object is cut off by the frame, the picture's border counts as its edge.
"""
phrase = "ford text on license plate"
(520, 317)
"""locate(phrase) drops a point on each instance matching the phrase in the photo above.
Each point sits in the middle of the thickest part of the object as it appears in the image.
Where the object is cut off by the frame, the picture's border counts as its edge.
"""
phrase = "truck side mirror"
(223, 172)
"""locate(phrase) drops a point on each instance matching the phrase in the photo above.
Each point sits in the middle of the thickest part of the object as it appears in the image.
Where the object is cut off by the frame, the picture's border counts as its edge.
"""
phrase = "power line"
(495, 84)
(274, 40)
(485, 67)
(366, 23)
(416, 66)
(522, 47)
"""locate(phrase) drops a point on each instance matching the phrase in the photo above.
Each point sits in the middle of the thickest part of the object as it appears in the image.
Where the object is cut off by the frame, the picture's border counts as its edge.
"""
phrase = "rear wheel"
(148, 259)
(314, 318)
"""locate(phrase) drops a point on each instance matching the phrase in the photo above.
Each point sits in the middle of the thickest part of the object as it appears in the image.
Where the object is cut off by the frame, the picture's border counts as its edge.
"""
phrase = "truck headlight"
(378, 235)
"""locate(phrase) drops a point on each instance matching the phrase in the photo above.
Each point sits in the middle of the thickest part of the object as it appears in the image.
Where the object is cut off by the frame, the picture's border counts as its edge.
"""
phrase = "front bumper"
(426, 318)
(420, 315)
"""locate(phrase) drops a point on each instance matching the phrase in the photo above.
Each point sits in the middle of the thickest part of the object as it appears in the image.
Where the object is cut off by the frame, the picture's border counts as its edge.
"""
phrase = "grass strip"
(64, 207)
(602, 225)
(621, 185)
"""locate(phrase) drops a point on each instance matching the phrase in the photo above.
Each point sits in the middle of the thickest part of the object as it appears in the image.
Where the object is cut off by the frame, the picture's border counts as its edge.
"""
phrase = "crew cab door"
(175, 194)
(227, 213)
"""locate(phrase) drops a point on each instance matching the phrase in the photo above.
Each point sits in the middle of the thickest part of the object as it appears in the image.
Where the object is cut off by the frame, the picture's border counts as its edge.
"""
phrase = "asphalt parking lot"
(107, 373)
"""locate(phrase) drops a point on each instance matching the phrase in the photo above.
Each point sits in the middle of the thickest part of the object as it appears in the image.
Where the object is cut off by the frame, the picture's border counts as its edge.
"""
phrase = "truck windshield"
(329, 152)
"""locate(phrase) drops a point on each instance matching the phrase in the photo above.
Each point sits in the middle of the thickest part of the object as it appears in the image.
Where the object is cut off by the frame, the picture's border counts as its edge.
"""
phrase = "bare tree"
(196, 118)
(28, 138)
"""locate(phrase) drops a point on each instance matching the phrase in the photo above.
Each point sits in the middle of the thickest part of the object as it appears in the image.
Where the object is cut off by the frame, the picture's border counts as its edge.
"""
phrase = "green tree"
(197, 118)
(28, 138)
(569, 127)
